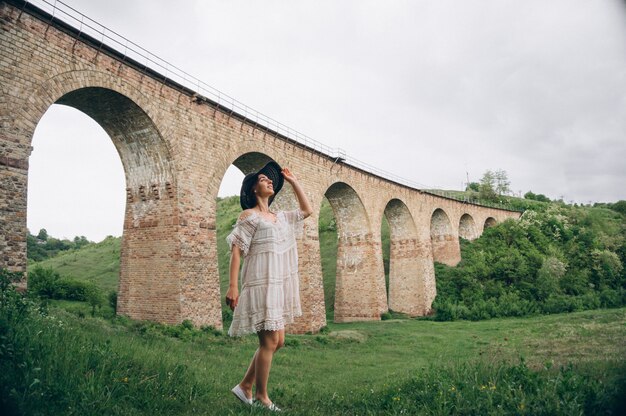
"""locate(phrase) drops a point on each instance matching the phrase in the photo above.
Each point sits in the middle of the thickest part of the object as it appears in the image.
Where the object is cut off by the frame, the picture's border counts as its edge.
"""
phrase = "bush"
(610, 298)
(385, 316)
(93, 296)
(554, 259)
(43, 282)
(48, 284)
(561, 304)
(70, 289)
(113, 300)
(448, 311)
(590, 300)
(536, 197)
(483, 389)
(619, 206)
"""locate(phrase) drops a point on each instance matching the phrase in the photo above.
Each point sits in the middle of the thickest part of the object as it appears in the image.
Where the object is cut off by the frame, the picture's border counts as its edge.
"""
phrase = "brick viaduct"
(175, 150)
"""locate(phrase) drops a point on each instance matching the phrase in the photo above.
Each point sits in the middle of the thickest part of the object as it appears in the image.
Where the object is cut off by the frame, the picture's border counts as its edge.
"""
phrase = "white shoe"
(271, 407)
(239, 393)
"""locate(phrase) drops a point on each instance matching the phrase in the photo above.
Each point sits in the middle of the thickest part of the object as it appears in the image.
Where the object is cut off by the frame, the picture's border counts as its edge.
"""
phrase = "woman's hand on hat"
(289, 177)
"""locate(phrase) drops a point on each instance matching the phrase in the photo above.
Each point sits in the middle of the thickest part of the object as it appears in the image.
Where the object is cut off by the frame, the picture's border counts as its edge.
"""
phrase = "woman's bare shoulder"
(247, 213)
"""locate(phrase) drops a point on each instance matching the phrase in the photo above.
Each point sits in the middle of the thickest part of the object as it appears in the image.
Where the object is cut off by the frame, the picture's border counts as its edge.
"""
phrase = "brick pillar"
(311, 281)
(200, 295)
(379, 272)
(14, 152)
(425, 272)
(149, 286)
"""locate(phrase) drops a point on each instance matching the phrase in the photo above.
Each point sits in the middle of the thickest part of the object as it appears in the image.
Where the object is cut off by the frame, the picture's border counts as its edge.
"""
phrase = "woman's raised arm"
(303, 201)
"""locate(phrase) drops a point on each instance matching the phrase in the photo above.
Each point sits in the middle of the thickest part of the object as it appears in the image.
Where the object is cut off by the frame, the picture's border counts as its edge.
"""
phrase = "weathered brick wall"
(175, 151)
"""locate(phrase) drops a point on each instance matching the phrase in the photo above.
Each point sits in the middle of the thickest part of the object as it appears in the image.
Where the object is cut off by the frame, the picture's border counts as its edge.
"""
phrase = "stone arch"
(489, 222)
(151, 202)
(356, 296)
(467, 227)
(445, 243)
(42, 96)
(144, 154)
(148, 241)
(405, 285)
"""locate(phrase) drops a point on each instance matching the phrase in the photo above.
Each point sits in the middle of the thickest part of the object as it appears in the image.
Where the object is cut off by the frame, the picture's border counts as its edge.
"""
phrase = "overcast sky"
(430, 90)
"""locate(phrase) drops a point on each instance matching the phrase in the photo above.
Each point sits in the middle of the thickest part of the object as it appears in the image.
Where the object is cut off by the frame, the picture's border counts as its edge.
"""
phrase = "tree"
(43, 235)
(487, 187)
(43, 282)
(502, 183)
(94, 298)
(619, 206)
(473, 186)
(80, 241)
(536, 197)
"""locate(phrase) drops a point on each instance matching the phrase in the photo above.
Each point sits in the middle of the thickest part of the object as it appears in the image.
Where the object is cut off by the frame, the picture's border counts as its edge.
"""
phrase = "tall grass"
(53, 362)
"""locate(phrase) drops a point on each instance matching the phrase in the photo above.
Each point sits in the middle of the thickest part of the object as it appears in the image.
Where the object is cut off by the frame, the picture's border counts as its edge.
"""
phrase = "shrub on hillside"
(48, 284)
(619, 206)
(43, 282)
(112, 298)
(561, 259)
(70, 289)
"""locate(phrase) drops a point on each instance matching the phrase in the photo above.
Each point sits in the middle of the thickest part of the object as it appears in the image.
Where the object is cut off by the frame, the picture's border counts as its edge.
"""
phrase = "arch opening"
(406, 286)
(467, 228)
(75, 198)
(445, 243)
(358, 284)
(148, 239)
(489, 222)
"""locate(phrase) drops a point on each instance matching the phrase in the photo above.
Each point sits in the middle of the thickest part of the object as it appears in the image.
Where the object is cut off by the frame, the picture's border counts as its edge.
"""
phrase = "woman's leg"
(248, 379)
(269, 342)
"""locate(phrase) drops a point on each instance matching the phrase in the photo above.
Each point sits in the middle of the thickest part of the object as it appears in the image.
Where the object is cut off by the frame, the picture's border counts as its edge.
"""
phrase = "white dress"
(270, 291)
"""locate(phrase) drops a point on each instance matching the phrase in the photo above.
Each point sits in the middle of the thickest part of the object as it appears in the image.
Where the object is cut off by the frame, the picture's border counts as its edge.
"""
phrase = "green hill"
(97, 263)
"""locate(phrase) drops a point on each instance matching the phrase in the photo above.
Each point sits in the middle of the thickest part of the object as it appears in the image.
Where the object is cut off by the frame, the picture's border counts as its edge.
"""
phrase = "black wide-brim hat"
(273, 171)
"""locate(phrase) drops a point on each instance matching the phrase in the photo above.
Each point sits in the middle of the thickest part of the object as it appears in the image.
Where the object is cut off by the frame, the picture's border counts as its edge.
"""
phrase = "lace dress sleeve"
(295, 219)
(242, 233)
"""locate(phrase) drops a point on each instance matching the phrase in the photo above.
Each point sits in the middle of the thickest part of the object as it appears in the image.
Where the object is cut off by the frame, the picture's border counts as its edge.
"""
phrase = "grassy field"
(560, 364)
(56, 359)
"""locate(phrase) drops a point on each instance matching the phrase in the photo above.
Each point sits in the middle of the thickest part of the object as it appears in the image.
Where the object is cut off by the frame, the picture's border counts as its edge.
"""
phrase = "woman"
(269, 296)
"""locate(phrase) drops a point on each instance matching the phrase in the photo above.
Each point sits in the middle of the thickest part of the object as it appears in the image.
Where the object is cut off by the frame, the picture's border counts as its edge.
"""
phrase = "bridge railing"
(173, 75)
(469, 200)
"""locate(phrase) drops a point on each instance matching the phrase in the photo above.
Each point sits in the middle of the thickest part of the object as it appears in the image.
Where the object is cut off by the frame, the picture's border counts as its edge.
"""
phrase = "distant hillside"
(98, 263)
